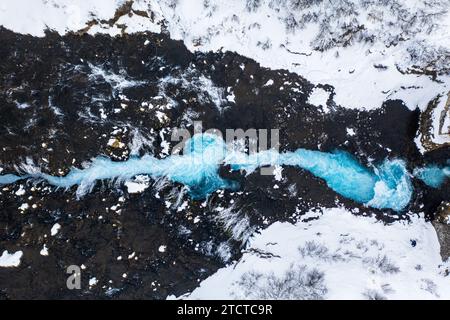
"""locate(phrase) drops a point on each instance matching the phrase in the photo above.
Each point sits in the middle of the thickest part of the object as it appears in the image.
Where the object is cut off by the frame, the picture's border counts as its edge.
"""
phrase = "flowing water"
(387, 186)
(433, 176)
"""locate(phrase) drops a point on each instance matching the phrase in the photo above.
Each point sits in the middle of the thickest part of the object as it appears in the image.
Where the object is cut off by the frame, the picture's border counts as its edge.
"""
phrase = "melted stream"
(387, 186)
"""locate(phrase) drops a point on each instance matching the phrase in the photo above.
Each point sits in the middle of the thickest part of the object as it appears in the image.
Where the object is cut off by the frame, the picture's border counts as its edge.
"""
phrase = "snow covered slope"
(337, 256)
(363, 48)
(33, 17)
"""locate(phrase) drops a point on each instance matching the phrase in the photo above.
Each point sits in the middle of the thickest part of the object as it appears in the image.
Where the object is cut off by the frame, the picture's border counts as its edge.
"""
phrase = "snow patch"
(319, 97)
(55, 229)
(138, 184)
(44, 251)
(353, 258)
(10, 259)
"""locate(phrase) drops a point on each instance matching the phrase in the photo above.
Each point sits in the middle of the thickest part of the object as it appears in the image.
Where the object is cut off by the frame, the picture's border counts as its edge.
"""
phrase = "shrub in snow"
(372, 294)
(341, 23)
(430, 286)
(252, 5)
(325, 38)
(298, 282)
(264, 44)
(424, 56)
(302, 4)
(291, 23)
(314, 249)
(172, 3)
(381, 263)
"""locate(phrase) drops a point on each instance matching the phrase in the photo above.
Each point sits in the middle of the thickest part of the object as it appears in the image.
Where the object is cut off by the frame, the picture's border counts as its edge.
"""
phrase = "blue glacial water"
(10, 178)
(386, 186)
(433, 176)
(197, 169)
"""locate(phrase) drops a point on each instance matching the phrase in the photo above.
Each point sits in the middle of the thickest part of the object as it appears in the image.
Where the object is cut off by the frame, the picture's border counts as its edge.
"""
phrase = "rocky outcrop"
(442, 226)
(435, 124)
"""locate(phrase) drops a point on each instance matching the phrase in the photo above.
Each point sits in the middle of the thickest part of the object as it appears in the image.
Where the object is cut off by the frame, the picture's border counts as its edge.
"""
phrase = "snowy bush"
(291, 23)
(252, 5)
(381, 263)
(340, 23)
(314, 249)
(172, 3)
(371, 294)
(267, 44)
(325, 39)
(297, 283)
(426, 57)
(429, 286)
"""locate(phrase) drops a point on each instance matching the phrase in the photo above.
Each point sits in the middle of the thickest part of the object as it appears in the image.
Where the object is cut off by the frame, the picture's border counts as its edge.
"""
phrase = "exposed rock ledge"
(442, 226)
(435, 124)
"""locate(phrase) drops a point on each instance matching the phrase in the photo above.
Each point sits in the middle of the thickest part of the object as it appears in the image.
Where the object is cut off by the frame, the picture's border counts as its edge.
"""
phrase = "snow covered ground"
(265, 34)
(337, 256)
(33, 17)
